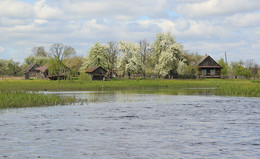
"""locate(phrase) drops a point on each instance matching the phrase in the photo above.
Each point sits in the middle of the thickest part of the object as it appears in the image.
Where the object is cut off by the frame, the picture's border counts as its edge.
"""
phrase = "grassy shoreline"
(20, 99)
(222, 87)
(14, 93)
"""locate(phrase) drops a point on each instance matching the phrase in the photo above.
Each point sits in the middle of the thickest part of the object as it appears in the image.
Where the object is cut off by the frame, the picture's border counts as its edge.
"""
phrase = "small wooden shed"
(42, 72)
(209, 68)
(96, 73)
(30, 70)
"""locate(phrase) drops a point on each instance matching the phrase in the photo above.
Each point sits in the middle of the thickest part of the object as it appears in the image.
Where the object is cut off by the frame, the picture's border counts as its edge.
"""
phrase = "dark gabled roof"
(205, 58)
(202, 59)
(42, 68)
(93, 68)
(30, 67)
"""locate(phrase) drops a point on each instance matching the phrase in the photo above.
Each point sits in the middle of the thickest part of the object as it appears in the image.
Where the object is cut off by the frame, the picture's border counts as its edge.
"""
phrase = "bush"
(84, 76)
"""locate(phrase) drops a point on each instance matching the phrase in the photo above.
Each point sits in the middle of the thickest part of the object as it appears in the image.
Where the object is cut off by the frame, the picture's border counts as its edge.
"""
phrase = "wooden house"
(42, 72)
(209, 68)
(30, 71)
(96, 73)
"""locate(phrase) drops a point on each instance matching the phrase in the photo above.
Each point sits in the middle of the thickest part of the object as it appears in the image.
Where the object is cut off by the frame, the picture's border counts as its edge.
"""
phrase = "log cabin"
(209, 68)
(30, 71)
(96, 73)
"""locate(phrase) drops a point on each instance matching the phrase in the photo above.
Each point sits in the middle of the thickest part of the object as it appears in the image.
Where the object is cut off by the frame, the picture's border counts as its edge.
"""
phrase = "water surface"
(128, 125)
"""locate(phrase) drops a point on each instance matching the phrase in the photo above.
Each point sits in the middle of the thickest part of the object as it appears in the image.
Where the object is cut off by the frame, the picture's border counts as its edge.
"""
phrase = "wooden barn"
(42, 72)
(209, 68)
(96, 73)
(30, 71)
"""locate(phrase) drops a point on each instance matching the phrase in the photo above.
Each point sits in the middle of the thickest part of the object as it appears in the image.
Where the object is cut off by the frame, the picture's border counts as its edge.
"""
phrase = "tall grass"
(224, 87)
(18, 99)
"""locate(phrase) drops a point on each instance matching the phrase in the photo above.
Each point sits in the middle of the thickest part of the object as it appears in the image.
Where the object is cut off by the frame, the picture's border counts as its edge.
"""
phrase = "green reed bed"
(18, 99)
(223, 87)
(47, 85)
(246, 89)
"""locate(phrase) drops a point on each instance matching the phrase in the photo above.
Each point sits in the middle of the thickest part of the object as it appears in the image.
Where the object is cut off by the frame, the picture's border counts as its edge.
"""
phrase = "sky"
(210, 27)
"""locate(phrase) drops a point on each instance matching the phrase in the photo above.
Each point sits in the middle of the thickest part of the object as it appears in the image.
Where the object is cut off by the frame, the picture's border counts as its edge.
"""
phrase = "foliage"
(239, 70)
(130, 59)
(168, 56)
(9, 67)
(96, 57)
(39, 52)
(57, 68)
(146, 56)
(84, 77)
(39, 60)
(225, 68)
(74, 63)
(112, 52)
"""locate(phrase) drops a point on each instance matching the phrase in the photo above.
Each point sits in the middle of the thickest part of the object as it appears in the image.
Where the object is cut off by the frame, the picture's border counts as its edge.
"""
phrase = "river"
(122, 125)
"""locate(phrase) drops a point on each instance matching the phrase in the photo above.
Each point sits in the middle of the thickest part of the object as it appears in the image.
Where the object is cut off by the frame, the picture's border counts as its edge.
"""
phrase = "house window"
(212, 72)
(204, 72)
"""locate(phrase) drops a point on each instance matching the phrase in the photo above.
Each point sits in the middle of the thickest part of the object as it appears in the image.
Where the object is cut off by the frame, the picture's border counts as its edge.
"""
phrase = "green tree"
(145, 53)
(39, 52)
(96, 57)
(58, 53)
(58, 69)
(9, 68)
(225, 68)
(168, 56)
(130, 60)
(112, 52)
(239, 70)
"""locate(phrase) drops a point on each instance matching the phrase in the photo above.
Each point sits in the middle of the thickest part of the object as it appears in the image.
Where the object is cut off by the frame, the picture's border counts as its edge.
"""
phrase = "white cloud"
(2, 49)
(16, 9)
(243, 20)
(120, 10)
(190, 29)
(211, 8)
(218, 26)
(44, 11)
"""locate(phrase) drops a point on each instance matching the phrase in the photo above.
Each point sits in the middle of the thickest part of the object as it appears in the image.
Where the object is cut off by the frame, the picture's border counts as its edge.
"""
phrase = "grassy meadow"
(223, 87)
(14, 93)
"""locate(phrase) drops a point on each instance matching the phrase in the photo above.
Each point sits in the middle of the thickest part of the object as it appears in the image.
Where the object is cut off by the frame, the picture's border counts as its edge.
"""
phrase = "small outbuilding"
(42, 72)
(96, 73)
(30, 71)
(209, 68)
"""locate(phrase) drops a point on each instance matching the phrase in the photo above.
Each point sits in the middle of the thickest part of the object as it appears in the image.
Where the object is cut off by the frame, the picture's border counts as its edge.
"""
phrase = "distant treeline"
(164, 57)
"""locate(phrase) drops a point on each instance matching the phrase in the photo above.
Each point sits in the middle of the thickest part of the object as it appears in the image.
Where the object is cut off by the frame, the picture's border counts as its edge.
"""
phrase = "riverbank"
(222, 87)
(19, 99)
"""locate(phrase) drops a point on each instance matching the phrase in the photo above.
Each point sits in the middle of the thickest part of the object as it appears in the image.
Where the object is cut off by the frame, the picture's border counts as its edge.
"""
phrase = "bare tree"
(254, 70)
(61, 51)
(252, 66)
(145, 49)
(39, 52)
(112, 53)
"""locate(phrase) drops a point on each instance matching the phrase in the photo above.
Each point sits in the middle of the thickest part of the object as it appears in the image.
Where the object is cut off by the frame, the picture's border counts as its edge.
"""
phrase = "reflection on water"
(134, 125)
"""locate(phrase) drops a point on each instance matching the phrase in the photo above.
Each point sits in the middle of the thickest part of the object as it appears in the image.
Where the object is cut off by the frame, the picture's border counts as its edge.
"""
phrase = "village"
(207, 68)
(129, 79)
(164, 58)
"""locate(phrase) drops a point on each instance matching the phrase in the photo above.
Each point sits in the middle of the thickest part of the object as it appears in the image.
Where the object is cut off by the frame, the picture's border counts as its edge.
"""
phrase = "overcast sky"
(204, 26)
